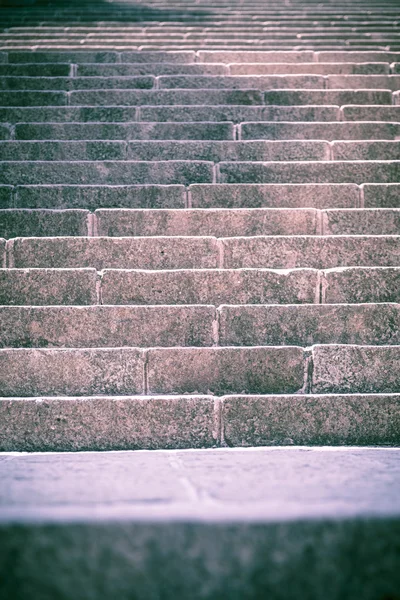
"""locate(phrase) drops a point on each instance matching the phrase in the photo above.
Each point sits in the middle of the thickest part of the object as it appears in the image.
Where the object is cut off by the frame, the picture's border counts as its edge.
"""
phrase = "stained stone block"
(362, 284)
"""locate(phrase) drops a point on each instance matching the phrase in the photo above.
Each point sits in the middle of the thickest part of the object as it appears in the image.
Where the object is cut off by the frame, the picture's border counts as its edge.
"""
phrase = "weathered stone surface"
(200, 222)
(351, 419)
(361, 284)
(63, 57)
(184, 56)
(207, 286)
(75, 83)
(62, 150)
(25, 222)
(217, 151)
(65, 114)
(305, 325)
(47, 286)
(125, 253)
(107, 423)
(201, 97)
(92, 196)
(308, 68)
(35, 70)
(361, 222)
(356, 369)
(352, 56)
(237, 114)
(145, 68)
(311, 252)
(274, 195)
(228, 57)
(338, 97)
(32, 98)
(259, 82)
(225, 370)
(122, 131)
(365, 150)
(108, 326)
(55, 372)
(6, 196)
(107, 172)
(383, 82)
(381, 196)
(318, 131)
(318, 172)
(371, 113)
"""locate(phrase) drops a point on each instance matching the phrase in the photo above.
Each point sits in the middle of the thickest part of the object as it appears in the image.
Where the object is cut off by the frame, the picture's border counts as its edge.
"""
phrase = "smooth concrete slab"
(229, 485)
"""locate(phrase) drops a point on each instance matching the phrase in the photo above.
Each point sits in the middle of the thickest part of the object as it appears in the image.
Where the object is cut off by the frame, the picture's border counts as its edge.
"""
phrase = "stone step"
(71, 424)
(349, 285)
(261, 370)
(368, 130)
(188, 113)
(117, 69)
(313, 508)
(260, 82)
(197, 97)
(356, 171)
(381, 195)
(157, 253)
(389, 82)
(200, 196)
(107, 172)
(214, 151)
(78, 83)
(229, 57)
(170, 326)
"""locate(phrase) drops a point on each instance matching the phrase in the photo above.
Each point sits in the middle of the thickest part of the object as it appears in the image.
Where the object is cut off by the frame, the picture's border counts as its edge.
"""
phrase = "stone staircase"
(200, 219)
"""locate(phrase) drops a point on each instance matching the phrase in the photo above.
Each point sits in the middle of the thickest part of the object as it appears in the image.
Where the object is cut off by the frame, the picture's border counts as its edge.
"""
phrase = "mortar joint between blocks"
(218, 422)
(188, 197)
(99, 287)
(146, 356)
(8, 259)
(361, 197)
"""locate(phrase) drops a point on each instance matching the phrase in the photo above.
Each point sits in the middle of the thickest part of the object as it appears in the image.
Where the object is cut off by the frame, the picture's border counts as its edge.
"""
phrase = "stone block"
(350, 419)
(117, 253)
(371, 113)
(381, 195)
(274, 195)
(92, 196)
(260, 82)
(6, 196)
(225, 370)
(305, 325)
(106, 326)
(105, 172)
(388, 150)
(35, 70)
(323, 252)
(107, 423)
(356, 369)
(36, 223)
(205, 222)
(338, 97)
(62, 150)
(32, 98)
(362, 221)
(184, 56)
(163, 97)
(318, 131)
(228, 151)
(70, 372)
(48, 286)
(228, 57)
(308, 68)
(316, 172)
(212, 286)
(366, 284)
(63, 57)
(155, 68)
